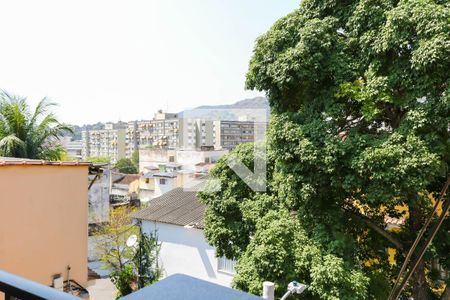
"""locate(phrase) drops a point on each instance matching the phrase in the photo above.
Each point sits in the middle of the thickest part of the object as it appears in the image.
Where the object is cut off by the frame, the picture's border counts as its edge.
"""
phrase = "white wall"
(98, 197)
(189, 158)
(186, 251)
(164, 188)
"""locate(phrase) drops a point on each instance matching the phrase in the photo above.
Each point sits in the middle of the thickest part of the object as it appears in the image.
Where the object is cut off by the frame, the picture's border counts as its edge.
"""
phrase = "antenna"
(131, 241)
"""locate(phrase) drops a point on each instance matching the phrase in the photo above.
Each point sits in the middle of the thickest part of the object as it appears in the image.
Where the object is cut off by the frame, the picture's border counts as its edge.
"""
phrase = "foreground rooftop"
(183, 287)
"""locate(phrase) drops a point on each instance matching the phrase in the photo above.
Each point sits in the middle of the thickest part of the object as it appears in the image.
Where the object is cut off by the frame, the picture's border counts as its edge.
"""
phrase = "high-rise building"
(161, 132)
(108, 142)
(229, 134)
(167, 131)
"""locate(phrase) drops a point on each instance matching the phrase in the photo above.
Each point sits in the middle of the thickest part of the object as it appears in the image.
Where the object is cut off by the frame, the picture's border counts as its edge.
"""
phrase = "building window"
(162, 181)
(226, 265)
(171, 158)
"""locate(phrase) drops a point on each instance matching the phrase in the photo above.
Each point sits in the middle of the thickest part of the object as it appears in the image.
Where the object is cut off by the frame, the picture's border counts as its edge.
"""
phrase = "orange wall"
(43, 221)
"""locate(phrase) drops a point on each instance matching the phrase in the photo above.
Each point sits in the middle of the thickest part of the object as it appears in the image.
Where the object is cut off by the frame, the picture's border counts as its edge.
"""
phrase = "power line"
(395, 292)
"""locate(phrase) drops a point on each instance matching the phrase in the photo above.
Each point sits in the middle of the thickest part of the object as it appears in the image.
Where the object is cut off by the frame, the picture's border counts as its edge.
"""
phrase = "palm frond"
(29, 135)
(12, 146)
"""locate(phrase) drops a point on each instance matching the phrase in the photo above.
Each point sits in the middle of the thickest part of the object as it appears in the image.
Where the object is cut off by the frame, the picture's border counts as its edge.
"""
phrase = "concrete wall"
(43, 223)
(189, 158)
(99, 198)
(153, 157)
(160, 189)
(186, 251)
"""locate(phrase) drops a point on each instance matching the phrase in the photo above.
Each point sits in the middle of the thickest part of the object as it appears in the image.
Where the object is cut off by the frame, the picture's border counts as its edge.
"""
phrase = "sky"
(109, 60)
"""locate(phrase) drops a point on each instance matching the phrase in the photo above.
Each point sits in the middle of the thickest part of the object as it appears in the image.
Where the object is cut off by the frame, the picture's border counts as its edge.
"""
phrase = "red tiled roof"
(127, 179)
(12, 161)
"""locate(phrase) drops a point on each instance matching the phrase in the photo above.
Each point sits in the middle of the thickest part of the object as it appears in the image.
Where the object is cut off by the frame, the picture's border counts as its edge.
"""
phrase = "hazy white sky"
(105, 60)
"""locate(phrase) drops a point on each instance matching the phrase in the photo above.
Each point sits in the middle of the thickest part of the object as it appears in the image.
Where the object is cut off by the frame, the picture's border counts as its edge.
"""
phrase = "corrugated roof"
(127, 179)
(178, 207)
(13, 161)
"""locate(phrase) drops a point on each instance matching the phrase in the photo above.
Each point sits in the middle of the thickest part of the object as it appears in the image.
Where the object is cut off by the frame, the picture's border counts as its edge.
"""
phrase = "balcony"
(16, 287)
(174, 287)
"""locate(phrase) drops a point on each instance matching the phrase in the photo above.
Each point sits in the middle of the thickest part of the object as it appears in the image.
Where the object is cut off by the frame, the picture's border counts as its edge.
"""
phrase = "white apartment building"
(167, 131)
(229, 134)
(109, 142)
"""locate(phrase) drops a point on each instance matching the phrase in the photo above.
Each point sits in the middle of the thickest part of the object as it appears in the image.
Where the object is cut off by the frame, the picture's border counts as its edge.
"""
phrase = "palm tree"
(27, 134)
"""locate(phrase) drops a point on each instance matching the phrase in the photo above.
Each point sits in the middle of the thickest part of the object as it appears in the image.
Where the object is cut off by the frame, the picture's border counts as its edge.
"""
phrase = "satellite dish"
(131, 241)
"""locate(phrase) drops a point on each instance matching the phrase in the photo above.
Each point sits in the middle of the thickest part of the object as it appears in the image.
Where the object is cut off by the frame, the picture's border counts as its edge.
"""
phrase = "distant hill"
(78, 129)
(244, 109)
(257, 102)
(238, 110)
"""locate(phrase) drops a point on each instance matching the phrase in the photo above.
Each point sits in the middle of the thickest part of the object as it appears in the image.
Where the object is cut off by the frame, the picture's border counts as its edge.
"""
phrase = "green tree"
(111, 247)
(359, 92)
(125, 165)
(146, 259)
(123, 280)
(29, 134)
(98, 159)
(135, 158)
(111, 240)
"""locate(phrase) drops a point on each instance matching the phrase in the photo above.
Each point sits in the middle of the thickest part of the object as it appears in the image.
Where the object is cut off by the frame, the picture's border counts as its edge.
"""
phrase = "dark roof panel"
(184, 287)
(178, 207)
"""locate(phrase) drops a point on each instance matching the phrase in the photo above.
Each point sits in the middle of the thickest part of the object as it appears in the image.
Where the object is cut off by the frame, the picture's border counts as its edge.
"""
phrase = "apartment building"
(161, 131)
(109, 142)
(229, 134)
(132, 137)
(119, 140)
(167, 131)
(73, 148)
(196, 133)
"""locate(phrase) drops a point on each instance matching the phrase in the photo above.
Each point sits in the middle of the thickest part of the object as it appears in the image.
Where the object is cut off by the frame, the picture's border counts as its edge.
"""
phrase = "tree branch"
(376, 228)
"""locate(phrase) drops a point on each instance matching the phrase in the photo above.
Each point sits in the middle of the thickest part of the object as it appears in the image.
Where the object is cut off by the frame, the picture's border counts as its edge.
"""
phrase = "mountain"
(247, 109)
(257, 102)
(244, 109)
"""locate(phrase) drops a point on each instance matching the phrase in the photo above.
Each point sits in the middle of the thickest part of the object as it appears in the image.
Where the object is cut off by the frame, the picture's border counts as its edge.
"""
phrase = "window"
(162, 181)
(226, 265)
(171, 158)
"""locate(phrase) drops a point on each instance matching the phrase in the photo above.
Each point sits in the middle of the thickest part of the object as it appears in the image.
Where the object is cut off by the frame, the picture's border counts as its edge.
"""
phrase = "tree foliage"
(29, 134)
(112, 237)
(125, 165)
(146, 259)
(359, 92)
(135, 158)
(128, 266)
(98, 159)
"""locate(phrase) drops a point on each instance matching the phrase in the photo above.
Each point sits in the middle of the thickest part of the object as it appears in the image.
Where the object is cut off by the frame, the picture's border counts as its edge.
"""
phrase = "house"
(124, 184)
(180, 158)
(44, 222)
(177, 219)
(154, 184)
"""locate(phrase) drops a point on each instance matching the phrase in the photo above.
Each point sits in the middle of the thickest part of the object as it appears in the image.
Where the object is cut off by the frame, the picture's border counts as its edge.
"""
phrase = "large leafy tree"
(125, 165)
(29, 134)
(359, 131)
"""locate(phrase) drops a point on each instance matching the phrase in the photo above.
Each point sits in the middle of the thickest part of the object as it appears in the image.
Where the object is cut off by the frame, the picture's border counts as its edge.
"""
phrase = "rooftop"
(13, 161)
(177, 207)
(178, 286)
(127, 179)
